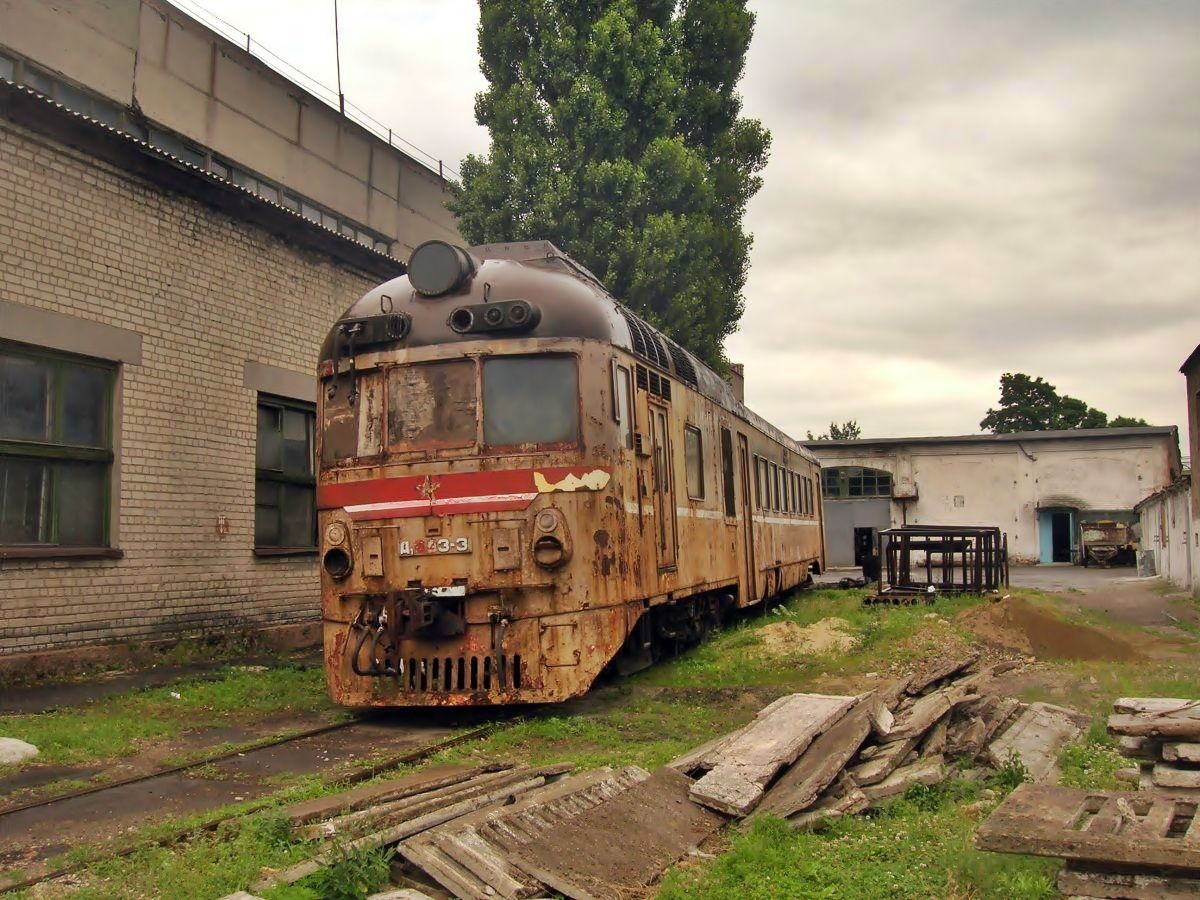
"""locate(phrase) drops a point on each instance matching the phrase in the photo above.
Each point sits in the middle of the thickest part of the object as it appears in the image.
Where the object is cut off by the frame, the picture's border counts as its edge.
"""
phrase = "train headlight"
(337, 562)
(436, 267)
(549, 552)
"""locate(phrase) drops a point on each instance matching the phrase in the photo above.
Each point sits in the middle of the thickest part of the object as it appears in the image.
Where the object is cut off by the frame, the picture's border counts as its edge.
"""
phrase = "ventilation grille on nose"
(439, 674)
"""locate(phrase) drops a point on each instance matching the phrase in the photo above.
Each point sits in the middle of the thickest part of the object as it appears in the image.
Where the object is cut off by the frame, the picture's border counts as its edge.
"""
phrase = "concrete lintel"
(260, 376)
(68, 333)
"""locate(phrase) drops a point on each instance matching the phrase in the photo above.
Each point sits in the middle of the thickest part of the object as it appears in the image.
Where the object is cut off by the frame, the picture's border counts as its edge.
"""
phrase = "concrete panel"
(354, 152)
(842, 517)
(328, 185)
(152, 37)
(319, 130)
(385, 170)
(257, 95)
(89, 41)
(381, 212)
(243, 139)
(69, 334)
(189, 56)
(167, 100)
(421, 189)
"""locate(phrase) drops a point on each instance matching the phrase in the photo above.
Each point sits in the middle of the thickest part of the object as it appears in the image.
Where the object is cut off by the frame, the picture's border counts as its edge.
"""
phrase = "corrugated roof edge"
(22, 104)
(1023, 436)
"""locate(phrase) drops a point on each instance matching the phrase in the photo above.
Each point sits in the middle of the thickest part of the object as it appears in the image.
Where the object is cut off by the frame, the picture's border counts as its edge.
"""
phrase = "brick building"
(171, 257)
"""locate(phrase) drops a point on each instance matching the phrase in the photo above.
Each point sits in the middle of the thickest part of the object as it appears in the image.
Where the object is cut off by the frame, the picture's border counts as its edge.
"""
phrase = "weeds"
(1010, 774)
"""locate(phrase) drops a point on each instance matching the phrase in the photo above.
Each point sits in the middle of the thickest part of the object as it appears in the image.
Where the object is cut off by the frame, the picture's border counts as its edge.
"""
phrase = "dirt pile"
(1016, 624)
(832, 635)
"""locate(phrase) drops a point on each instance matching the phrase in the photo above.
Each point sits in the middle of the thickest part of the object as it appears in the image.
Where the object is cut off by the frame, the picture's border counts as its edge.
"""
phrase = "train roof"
(571, 302)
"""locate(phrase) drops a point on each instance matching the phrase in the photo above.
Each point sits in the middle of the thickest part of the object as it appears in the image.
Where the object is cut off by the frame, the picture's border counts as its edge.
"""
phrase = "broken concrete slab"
(777, 736)
(1157, 706)
(1169, 726)
(921, 716)
(704, 757)
(384, 791)
(470, 856)
(400, 894)
(618, 848)
(883, 762)
(842, 798)
(799, 787)
(1104, 827)
(1169, 776)
(1176, 751)
(968, 739)
(1139, 747)
(923, 771)
(929, 674)
(1126, 886)
(1036, 737)
(934, 741)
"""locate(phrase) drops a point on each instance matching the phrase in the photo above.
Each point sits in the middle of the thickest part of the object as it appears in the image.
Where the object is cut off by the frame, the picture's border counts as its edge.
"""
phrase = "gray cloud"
(957, 188)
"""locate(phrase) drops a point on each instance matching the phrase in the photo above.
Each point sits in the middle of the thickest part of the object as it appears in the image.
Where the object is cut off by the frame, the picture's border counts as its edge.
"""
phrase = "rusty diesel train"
(522, 483)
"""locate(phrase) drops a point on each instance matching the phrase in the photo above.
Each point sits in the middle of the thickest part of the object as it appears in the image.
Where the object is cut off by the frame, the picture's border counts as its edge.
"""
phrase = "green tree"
(1033, 404)
(616, 133)
(847, 431)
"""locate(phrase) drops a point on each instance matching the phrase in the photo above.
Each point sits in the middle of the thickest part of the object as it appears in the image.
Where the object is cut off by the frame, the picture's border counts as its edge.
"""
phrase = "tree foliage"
(1033, 404)
(847, 431)
(616, 133)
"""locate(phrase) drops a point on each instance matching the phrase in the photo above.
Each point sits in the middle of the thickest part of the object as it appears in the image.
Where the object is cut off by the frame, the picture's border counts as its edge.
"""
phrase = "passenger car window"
(530, 400)
(693, 458)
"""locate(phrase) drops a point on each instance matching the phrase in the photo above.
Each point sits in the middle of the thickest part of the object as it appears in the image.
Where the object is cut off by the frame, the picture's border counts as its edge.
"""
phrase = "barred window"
(55, 448)
(853, 482)
(285, 488)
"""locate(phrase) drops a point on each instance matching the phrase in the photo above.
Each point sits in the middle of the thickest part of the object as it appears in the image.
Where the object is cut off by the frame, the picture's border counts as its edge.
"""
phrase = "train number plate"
(435, 546)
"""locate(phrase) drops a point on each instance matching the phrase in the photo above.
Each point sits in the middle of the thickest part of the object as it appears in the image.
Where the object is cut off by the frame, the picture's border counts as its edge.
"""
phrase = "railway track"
(16, 822)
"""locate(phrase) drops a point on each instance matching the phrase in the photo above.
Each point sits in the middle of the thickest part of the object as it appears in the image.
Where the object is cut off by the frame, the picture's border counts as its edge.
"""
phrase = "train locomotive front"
(482, 529)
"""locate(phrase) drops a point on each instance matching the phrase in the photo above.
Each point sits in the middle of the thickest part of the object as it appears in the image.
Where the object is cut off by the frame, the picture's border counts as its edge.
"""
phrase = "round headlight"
(436, 268)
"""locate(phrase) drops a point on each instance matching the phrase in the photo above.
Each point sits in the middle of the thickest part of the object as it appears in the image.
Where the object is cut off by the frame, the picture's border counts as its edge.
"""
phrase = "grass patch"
(119, 725)
(919, 846)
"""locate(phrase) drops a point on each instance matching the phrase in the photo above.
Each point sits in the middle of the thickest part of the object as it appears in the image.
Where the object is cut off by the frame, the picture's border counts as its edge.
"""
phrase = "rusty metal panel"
(506, 549)
(372, 550)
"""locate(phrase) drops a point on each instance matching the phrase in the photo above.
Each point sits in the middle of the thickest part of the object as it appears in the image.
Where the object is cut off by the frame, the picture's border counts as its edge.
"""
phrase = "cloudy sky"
(957, 188)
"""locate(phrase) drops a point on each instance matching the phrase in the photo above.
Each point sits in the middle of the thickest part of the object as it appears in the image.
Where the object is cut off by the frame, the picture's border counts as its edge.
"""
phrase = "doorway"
(664, 486)
(751, 577)
(1060, 537)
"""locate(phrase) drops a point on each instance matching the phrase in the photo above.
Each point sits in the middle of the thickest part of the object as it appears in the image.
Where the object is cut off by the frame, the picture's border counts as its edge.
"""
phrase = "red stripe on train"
(444, 493)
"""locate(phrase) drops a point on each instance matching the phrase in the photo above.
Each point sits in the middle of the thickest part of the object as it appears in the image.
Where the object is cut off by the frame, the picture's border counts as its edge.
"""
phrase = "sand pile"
(1016, 624)
(832, 635)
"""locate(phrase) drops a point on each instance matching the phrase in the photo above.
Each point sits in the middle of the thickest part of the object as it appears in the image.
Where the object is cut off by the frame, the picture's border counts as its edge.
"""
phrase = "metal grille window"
(853, 482)
(693, 460)
(285, 487)
(55, 449)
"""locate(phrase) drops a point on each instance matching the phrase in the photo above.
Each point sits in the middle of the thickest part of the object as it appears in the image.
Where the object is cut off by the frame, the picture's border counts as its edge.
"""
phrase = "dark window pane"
(79, 491)
(24, 398)
(693, 462)
(24, 501)
(530, 400)
(297, 442)
(266, 513)
(432, 404)
(269, 454)
(84, 406)
(297, 528)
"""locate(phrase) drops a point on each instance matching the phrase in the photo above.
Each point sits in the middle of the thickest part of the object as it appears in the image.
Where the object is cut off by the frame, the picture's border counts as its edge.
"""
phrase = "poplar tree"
(616, 132)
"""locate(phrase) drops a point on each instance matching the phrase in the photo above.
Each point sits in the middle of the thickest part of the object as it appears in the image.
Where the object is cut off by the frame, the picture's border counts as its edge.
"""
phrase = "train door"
(664, 486)
(747, 519)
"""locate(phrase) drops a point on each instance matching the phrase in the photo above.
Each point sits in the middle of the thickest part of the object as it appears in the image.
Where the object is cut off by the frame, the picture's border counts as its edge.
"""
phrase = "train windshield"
(432, 405)
(530, 400)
